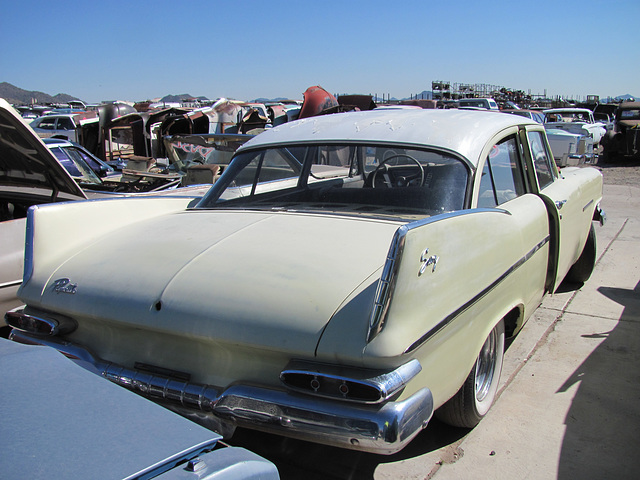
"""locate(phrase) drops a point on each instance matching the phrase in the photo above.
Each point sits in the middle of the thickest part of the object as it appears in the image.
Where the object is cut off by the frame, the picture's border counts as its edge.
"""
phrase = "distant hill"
(180, 98)
(623, 98)
(270, 100)
(18, 96)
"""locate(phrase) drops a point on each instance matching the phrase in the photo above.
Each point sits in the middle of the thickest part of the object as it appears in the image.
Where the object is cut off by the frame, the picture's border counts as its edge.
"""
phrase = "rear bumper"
(381, 428)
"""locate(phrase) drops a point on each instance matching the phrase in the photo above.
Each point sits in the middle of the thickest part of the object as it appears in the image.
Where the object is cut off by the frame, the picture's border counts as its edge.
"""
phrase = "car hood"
(630, 123)
(114, 432)
(26, 163)
(112, 422)
(256, 278)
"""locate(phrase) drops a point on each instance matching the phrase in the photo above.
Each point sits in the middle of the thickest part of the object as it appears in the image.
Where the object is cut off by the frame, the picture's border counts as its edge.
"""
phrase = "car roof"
(568, 109)
(58, 114)
(57, 141)
(462, 131)
(629, 105)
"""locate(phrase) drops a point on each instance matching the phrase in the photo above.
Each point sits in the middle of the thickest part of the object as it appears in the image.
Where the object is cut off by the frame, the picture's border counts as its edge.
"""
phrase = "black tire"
(476, 395)
(583, 268)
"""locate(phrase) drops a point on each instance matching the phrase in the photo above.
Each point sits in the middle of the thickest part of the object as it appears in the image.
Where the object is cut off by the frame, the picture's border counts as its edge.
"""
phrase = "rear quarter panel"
(489, 262)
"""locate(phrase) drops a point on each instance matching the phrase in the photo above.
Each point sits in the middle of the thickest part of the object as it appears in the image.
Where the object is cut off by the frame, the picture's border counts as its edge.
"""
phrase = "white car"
(575, 120)
(346, 277)
(568, 148)
(30, 174)
(479, 103)
(59, 126)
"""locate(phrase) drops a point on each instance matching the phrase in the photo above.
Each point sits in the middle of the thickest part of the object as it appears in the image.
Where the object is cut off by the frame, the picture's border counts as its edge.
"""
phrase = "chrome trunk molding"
(382, 428)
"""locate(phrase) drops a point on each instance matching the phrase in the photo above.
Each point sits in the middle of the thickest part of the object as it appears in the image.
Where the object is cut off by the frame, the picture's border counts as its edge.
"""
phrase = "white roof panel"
(462, 131)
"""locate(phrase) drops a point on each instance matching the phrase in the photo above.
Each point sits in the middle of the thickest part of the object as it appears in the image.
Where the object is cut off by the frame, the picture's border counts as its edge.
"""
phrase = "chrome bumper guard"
(382, 429)
(599, 215)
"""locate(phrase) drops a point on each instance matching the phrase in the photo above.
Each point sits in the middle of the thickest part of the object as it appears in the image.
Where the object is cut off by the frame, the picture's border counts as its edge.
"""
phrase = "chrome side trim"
(28, 246)
(386, 285)
(13, 283)
(589, 203)
(449, 318)
(382, 428)
(458, 213)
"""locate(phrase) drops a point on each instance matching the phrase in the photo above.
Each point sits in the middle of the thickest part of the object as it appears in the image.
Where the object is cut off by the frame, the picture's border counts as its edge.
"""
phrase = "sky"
(137, 50)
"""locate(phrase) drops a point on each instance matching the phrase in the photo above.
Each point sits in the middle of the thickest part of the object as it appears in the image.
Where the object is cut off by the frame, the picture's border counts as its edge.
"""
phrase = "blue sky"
(137, 49)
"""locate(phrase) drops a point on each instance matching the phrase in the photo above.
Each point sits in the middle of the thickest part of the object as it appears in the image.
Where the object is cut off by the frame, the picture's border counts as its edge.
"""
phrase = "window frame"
(520, 163)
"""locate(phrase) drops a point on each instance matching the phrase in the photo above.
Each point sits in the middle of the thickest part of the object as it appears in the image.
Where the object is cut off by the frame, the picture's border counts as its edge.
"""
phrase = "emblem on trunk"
(427, 260)
(64, 285)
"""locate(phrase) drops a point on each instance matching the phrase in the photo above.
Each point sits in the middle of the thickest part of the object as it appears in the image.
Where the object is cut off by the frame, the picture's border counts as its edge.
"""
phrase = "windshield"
(73, 162)
(568, 116)
(630, 114)
(355, 178)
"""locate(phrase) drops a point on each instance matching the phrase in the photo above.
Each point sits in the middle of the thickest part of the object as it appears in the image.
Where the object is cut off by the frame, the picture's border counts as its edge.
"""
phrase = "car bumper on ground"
(380, 428)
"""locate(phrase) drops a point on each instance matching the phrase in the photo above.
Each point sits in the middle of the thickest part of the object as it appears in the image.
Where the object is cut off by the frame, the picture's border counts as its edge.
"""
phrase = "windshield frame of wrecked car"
(362, 178)
(630, 114)
(212, 149)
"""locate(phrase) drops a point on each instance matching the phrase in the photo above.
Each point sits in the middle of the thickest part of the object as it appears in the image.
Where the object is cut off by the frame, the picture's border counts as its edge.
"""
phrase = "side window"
(275, 167)
(66, 162)
(541, 159)
(47, 123)
(266, 166)
(65, 123)
(502, 177)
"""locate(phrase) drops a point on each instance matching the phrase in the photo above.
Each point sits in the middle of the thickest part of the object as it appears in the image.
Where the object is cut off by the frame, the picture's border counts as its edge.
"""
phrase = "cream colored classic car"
(347, 276)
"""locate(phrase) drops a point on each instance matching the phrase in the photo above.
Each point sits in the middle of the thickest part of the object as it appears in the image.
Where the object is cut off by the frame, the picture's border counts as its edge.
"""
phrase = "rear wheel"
(472, 402)
(582, 269)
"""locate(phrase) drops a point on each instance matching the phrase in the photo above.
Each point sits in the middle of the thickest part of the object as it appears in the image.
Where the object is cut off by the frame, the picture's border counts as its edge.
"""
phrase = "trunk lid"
(252, 278)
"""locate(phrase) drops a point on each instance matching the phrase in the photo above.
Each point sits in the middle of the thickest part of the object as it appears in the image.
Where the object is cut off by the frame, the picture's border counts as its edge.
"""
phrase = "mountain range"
(18, 96)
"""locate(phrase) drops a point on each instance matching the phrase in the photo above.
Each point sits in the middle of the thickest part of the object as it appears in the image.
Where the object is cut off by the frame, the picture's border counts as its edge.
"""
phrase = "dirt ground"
(620, 171)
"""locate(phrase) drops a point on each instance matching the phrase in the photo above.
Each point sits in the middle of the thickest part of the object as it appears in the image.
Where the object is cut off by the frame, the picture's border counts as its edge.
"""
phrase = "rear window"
(355, 178)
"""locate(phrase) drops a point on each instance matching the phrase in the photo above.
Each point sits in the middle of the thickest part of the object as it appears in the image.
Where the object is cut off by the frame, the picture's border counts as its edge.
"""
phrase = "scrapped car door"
(66, 127)
(562, 197)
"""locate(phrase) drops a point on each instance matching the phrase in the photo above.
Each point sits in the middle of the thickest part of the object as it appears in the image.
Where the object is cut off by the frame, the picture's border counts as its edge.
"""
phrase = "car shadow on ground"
(296, 459)
(602, 433)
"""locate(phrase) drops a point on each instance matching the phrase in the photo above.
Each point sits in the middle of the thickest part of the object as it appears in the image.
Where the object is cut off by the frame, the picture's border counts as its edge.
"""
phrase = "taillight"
(41, 324)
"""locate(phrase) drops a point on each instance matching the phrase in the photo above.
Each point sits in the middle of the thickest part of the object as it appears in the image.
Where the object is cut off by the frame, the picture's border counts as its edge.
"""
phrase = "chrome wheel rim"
(486, 366)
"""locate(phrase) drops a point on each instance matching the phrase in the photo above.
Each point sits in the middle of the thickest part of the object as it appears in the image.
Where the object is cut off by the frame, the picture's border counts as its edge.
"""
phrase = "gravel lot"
(620, 171)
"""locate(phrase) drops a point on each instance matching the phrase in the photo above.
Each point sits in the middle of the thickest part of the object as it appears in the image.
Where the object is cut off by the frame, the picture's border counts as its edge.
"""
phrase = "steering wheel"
(389, 179)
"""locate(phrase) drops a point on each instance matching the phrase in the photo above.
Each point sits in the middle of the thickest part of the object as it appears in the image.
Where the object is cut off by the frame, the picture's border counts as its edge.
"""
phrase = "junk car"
(624, 139)
(66, 152)
(32, 174)
(568, 148)
(575, 120)
(29, 175)
(346, 277)
(114, 433)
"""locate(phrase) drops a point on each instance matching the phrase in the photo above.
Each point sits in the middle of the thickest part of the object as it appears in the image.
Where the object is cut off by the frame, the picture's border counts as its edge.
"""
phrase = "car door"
(66, 127)
(562, 198)
(502, 182)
